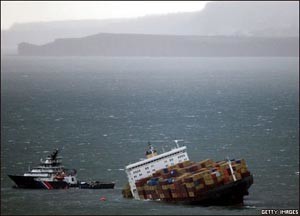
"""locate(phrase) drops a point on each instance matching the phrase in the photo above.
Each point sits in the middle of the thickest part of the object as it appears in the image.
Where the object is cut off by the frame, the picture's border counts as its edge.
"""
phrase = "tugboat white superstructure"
(50, 174)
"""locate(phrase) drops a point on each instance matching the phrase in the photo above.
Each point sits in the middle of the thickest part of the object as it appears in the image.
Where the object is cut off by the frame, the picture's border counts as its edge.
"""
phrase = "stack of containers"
(190, 179)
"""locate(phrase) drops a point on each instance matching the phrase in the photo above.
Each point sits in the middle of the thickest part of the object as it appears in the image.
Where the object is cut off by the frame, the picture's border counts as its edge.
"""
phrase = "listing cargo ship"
(50, 174)
(172, 177)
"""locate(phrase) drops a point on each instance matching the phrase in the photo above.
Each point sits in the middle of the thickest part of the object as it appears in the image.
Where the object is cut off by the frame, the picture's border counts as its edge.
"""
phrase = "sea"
(101, 112)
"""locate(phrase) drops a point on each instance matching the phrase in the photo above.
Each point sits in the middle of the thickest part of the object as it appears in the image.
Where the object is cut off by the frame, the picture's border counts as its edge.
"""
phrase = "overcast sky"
(31, 11)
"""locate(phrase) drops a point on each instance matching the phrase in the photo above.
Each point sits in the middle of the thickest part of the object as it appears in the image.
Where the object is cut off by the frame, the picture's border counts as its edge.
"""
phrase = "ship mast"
(151, 152)
(176, 141)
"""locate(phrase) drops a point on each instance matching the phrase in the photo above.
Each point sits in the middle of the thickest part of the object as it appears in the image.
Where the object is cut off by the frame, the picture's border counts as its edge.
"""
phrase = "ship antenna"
(176, 141)
(150, 147)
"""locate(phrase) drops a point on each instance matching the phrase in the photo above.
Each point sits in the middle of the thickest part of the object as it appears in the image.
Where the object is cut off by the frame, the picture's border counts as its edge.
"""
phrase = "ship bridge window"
(136, 171)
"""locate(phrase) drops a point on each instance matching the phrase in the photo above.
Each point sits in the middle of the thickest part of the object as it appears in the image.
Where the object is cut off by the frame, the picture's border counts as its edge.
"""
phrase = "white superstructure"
(147, 167)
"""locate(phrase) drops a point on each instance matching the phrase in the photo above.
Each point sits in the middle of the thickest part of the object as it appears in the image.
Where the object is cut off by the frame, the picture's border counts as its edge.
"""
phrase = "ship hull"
(229, 194)
(31, 183)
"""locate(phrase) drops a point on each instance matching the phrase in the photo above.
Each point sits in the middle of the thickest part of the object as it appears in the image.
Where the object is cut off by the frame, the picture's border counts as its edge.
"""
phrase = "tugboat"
(50, 174)
(172, 177)
(96, 185)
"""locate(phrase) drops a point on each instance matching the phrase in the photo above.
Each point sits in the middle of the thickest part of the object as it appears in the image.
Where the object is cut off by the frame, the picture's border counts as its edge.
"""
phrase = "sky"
(33, 11)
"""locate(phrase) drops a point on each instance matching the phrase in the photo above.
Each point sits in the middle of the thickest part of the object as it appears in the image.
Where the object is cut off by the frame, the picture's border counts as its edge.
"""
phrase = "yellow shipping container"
(207, 177)
(190, 184)
(183, 175)
(165, 187)
(191, 194)
(206, 163)
(221, 162)
(244, 170)
(181, 171)
(243, 162)
(175, 195)
(208, 182)
(204, 172)
(224, 166)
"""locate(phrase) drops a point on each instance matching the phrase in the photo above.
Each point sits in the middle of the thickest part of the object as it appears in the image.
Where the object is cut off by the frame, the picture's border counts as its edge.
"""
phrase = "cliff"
(257, 19)
(106, 44)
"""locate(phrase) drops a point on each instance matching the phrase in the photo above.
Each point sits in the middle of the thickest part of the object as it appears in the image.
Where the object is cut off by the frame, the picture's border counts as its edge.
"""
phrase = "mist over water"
(101, 113)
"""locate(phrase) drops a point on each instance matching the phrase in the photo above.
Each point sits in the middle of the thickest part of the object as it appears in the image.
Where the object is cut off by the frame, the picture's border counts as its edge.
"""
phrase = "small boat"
(96, 185)
(50, 174)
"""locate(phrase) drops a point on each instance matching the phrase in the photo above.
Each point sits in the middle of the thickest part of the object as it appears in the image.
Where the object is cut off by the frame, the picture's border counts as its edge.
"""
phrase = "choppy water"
(101, 112)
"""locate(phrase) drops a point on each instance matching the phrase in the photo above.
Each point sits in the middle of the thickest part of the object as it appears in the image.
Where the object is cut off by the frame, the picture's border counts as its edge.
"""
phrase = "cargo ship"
(172, 177)
(50, 174)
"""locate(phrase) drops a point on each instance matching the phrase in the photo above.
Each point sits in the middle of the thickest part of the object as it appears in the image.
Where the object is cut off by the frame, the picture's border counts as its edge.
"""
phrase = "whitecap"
(58, 119)
(189, 116)
(250, 207)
